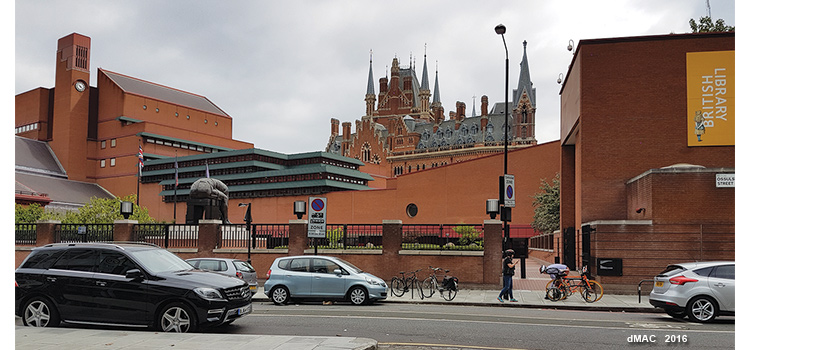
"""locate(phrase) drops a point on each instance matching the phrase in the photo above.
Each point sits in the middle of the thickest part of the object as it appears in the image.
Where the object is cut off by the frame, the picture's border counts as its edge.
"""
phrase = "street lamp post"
(501, 29)
(248, 228)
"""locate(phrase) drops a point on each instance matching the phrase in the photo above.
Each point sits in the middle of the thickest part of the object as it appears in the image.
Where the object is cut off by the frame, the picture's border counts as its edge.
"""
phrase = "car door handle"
(721, 285)
(101, 283)
(51, 279)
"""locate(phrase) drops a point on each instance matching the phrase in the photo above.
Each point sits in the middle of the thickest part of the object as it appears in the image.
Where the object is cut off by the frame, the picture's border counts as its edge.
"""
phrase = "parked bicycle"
(400, 285)
(563, 286)
(447, 286)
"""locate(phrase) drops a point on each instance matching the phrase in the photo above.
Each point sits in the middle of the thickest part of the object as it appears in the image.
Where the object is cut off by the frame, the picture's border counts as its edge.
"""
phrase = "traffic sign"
(317, 217)
(509, 192)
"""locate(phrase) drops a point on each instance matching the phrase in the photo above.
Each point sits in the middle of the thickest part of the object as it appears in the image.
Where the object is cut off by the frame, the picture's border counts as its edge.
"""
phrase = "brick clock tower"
(69, 132)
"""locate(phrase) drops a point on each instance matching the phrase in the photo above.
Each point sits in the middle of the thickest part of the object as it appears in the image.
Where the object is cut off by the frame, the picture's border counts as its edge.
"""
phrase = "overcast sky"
(283, 69)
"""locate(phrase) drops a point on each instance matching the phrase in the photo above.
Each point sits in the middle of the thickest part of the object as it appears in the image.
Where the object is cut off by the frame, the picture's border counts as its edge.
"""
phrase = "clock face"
(80, 85)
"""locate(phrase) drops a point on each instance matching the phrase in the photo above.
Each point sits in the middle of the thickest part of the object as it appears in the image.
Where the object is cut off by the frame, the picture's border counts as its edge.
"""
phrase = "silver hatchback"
(230, 267)
(321, 278)
(699, 290)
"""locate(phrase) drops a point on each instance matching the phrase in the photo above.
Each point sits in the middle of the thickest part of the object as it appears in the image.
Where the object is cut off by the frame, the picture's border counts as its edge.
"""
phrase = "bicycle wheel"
(413, 284)
(592, 292)
(397, 286)
(449, 294)
(555, 294)
(427, 288)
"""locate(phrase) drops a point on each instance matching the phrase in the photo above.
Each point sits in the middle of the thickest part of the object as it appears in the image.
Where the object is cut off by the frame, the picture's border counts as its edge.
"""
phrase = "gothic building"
(404, 131)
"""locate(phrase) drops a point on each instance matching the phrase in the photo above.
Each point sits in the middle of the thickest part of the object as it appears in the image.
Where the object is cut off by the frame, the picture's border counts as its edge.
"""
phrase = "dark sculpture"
(208, 200)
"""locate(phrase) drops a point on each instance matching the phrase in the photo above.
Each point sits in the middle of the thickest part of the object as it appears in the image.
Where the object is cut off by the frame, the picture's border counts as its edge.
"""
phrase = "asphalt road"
(412, 326)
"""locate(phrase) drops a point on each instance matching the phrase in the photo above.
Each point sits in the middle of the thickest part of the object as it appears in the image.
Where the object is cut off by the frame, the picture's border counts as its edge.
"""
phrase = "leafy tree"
(547, 206)
(468, 235)
(97, 211)
(706, 25)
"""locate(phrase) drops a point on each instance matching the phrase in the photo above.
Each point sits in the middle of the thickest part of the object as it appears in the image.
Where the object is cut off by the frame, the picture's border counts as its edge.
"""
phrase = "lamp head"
(500, 29)
(299, 209)
(126, 209)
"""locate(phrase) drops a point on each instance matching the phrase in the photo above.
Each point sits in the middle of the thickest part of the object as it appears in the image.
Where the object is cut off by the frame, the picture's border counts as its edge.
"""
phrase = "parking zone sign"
(317, 217)
(509, 191)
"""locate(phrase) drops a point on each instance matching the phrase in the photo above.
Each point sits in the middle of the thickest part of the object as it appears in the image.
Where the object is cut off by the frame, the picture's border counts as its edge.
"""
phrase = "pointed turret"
(524, 103)
(525, 86)
(370, 96)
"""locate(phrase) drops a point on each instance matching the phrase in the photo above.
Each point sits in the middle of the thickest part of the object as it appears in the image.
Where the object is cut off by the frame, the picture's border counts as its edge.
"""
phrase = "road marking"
(451, 346)
(489, 322)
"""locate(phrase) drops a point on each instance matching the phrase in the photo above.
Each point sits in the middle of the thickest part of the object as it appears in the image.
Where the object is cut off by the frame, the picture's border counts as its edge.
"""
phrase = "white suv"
(699, 290)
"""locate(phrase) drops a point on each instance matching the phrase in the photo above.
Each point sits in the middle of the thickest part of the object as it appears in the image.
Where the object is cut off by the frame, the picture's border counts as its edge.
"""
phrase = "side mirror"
(337, 272)
(134, 274)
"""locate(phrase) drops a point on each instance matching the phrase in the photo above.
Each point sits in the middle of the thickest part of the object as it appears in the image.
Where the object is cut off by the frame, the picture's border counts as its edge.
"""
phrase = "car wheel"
(702, 309)
(678, 314)
(358, 296)
(177, 317)
(40, 312)
(280, 295)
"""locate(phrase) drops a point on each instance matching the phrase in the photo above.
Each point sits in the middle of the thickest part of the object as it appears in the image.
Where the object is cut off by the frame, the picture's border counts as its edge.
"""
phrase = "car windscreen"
(159, 260)
(349, 266)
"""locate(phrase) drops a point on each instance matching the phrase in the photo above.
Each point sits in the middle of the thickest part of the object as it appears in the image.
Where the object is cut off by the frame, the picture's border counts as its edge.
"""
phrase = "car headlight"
(209, 293)
(372, 281)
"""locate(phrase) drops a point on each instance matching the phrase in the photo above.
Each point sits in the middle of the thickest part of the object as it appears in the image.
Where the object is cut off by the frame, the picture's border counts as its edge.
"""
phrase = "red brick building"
(628, 190)
(403, 131)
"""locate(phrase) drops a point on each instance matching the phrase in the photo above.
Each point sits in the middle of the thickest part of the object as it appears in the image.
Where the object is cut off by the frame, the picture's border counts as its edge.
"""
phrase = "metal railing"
(25, 234)
(266, 236)
(168, 235)
(350, 236)
(80, 233)
(443, 237)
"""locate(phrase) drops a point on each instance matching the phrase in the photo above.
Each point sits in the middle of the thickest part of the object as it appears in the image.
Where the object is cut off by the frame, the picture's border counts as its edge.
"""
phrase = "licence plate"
(243, 310)
(253, 288)
(659, 284)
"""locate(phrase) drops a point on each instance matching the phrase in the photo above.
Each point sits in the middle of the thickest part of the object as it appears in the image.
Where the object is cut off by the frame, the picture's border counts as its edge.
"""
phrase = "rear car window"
(299, 265)
(77, 260)
(242, 266)
(672, 269)
(725, 271)
(705, 272)
(41, 259)
(212, 265)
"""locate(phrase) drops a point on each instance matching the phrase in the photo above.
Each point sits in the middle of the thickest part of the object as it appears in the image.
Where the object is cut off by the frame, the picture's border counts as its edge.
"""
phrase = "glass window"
(77, 260)
(324, 266)
(725, 271)
(242, 266)
(113, 161)
(102, 163)
(705, 272)
(114, 263)
(42, 259)
(283, 264)
(299, 265)
(159, 260)
(113, 143)
(102, 145)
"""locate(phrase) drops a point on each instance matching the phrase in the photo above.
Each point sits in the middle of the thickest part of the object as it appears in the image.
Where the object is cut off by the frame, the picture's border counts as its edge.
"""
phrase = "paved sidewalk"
(529, 292)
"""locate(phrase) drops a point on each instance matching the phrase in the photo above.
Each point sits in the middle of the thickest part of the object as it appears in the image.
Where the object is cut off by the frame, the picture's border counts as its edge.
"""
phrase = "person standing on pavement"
(508, 270)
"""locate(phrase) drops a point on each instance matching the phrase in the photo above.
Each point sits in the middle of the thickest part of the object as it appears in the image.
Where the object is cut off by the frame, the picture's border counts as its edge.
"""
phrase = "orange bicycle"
(561, 287)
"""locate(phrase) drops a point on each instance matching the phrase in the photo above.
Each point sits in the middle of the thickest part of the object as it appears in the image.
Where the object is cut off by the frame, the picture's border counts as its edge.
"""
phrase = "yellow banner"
(710, 88)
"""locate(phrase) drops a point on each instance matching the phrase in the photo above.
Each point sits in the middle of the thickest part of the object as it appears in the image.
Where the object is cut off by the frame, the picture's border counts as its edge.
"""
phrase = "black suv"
(131, 284)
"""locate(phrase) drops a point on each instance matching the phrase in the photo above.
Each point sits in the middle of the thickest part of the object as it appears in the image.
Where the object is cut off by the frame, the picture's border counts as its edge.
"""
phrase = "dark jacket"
(508, 271)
